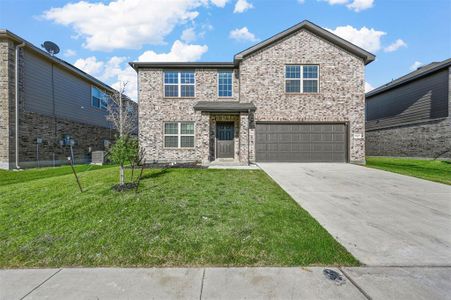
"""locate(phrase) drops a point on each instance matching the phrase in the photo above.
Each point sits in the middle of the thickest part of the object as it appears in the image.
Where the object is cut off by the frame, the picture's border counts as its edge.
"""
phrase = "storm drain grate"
(334, 276)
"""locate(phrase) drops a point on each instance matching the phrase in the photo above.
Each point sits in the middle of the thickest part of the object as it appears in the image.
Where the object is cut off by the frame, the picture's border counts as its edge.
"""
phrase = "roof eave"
(383, 89)
(216, 65)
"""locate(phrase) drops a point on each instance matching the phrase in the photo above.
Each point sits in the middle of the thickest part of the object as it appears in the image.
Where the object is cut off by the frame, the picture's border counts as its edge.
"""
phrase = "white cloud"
(355, 5)
(395, 46)
(125, 24)
(242, 6)
(90, 65)
(416, 65)
(366, 38)
(359, 5)
(116, 69)
(368, 87)
(69, 53)
(188, 35)
(333, 2)
(242, 34)
(179, 52)
(301, 1)
(219, 3)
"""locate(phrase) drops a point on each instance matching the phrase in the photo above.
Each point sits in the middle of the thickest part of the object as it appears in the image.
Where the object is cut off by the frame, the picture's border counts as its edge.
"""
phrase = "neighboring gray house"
(410, 116)
(295, 97)
(56, 103)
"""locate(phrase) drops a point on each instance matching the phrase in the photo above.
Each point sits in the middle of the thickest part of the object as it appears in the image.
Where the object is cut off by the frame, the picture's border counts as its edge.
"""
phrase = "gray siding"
(72, 94)
(420, 100)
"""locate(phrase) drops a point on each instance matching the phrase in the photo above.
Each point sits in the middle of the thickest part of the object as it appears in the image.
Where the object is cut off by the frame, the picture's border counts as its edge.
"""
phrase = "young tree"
(124, 151)
(123, 116)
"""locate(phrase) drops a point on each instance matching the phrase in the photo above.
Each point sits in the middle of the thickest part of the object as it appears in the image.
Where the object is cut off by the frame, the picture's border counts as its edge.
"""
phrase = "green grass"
(434, 170)
(180, 217)
(10, 177)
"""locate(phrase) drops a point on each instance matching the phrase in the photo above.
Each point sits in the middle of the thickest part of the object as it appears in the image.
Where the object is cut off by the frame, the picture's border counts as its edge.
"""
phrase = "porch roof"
(224, 106)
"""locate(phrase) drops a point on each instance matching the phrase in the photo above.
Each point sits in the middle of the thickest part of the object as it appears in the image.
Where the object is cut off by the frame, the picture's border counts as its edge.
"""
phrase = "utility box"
(98, 157)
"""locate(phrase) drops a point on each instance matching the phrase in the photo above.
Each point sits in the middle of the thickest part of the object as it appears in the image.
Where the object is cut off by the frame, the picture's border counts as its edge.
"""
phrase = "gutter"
(16, 104)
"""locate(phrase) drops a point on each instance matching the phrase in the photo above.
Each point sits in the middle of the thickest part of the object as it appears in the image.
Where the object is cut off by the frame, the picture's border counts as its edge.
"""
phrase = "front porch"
(230, 125)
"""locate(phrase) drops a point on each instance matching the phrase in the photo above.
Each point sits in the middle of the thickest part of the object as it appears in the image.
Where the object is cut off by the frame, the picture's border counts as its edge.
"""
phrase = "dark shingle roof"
(418, 73)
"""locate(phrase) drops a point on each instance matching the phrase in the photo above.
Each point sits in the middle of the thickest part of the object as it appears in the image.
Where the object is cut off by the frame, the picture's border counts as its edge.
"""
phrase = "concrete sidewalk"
(225, 283)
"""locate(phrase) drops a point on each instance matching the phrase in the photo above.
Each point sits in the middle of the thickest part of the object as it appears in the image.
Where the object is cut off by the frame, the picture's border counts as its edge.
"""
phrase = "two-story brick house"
(295, 97)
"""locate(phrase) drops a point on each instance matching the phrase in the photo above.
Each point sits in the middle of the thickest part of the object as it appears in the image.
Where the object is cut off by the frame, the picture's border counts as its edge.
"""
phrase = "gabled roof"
(4, 33)
(321, 32)
(418, 73)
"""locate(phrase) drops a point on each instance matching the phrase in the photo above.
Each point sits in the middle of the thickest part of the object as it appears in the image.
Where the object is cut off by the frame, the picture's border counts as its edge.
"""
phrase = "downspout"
(16, 94)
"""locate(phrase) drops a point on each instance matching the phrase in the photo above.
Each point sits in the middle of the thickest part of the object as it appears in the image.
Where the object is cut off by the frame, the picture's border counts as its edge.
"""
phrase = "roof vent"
(51, 47)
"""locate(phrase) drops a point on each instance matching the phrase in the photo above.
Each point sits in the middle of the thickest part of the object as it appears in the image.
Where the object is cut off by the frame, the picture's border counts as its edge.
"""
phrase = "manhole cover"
(334, 276)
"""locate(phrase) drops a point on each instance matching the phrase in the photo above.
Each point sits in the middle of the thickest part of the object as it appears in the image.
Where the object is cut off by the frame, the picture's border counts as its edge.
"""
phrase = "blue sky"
(100, 37)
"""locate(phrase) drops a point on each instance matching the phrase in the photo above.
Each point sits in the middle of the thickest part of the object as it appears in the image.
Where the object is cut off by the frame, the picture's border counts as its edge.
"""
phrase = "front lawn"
(180, 217)
(10, 177)
(434, 170)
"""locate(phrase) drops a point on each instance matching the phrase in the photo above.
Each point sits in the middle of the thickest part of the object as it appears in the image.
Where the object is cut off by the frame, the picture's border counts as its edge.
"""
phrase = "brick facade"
(341, 96)
(6, 101)
(430, 139)
(51, 130)
(259, 79)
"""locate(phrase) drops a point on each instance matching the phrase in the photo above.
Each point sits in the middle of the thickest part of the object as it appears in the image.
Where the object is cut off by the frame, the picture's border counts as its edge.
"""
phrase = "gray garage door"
(301, 142)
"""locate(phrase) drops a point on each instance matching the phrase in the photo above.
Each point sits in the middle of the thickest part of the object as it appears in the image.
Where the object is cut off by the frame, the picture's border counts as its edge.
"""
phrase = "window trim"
(217, 82)
(301, 79)
(100, 107)
(179, 135)
(179, 84)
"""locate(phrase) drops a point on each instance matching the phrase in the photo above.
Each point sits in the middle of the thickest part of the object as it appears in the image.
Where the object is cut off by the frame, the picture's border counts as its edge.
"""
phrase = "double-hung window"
(225, 83)
(301, 79)
(99, 99)
(179, 135)
(179, 84)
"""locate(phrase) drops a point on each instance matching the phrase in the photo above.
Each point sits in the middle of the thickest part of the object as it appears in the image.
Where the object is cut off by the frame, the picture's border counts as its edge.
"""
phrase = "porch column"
(203, 137)
(244, 138)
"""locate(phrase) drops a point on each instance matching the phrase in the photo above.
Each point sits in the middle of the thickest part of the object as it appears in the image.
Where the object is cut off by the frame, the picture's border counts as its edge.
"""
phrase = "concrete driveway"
(382, 218)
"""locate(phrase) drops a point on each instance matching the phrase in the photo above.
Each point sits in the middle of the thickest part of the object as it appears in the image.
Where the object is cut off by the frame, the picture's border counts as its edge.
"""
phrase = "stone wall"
(427, 139)
(341, 94)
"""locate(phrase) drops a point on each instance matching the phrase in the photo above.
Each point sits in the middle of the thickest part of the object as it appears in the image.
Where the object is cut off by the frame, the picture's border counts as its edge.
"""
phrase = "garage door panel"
(327, 137)
(301, 142)
(338, 137)
(285, 147)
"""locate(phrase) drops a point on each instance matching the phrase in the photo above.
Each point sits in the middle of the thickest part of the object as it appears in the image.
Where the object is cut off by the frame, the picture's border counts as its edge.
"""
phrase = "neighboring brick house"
(410, 116)
(295, 97)
(57, 103)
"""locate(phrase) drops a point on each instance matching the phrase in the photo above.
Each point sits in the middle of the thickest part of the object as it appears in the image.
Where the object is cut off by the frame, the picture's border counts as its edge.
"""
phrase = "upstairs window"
(301, 79)
(99, 99)
(179, 84)
(225, 83)
(179, 135)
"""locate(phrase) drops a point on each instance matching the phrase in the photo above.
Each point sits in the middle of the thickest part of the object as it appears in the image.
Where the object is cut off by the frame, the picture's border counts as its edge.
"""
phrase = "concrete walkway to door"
(382, 218)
